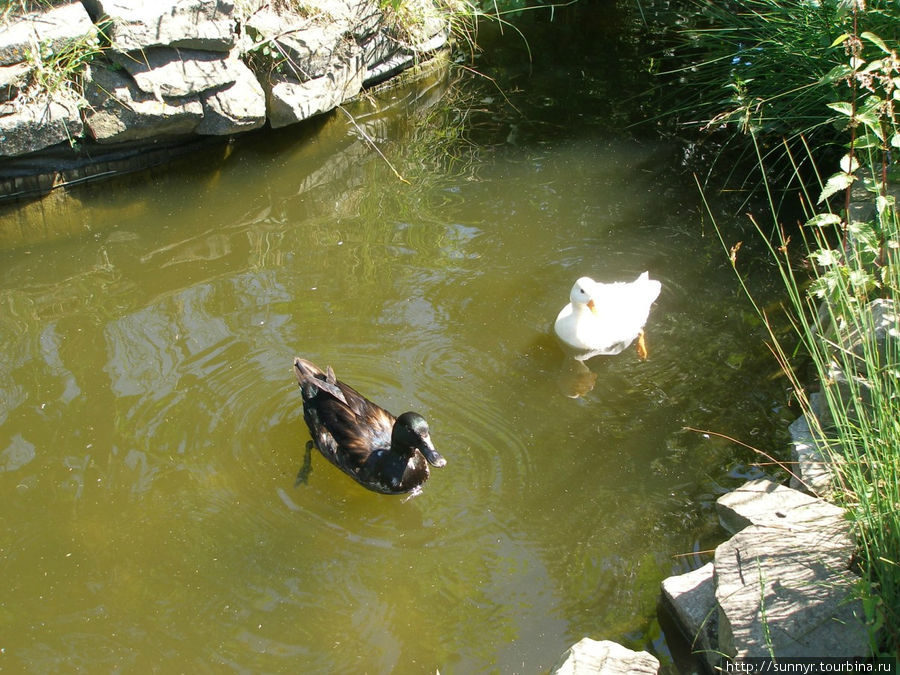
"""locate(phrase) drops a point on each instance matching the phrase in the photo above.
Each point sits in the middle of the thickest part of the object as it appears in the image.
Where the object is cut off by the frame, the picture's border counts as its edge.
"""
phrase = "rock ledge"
(781, 585)
(173, 69)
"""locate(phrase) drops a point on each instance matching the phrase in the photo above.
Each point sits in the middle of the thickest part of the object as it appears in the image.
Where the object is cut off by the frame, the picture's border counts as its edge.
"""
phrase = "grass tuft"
(812, 84)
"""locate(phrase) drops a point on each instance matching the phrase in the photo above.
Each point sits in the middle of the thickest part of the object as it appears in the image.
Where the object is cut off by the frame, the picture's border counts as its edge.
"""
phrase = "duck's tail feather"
(312, 380)
(306, 370)
(647, 289)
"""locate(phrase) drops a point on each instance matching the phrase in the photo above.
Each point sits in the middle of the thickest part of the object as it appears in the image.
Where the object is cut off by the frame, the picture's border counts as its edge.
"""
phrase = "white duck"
(606, 318)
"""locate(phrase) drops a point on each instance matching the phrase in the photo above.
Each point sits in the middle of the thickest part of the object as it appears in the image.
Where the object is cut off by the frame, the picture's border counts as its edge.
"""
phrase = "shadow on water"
(150, 428)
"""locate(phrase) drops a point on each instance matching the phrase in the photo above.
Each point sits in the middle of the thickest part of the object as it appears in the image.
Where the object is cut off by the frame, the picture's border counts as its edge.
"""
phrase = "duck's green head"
(411, 431)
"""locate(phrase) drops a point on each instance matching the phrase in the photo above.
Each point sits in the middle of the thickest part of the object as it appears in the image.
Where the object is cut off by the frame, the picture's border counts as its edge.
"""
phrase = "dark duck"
(380, 452)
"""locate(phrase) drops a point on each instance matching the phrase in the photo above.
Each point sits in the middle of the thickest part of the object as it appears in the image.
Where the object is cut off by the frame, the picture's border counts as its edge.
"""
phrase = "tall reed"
(763, 67)
(841, 272)
(800, 85)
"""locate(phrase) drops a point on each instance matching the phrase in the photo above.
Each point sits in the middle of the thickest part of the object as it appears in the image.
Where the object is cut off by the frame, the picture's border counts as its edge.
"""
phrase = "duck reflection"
(575, 379)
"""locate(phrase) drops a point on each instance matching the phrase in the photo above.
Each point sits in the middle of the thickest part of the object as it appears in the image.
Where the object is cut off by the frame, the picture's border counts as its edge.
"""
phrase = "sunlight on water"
(152, 431)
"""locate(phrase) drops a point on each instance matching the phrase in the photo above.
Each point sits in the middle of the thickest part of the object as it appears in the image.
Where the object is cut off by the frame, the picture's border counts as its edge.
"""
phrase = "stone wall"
(782, 585)
(172, 71)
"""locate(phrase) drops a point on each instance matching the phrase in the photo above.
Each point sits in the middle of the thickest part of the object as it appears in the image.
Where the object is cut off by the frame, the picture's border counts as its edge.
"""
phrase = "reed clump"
(764, 68)
(841, 272)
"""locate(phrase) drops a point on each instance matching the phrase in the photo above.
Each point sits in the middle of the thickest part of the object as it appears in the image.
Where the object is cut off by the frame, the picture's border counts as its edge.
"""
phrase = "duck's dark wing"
(355, 436)
(345, 425)
(330, 389)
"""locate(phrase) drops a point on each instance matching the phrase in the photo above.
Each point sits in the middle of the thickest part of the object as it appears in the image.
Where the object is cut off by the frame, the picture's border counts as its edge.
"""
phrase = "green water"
(151, 430)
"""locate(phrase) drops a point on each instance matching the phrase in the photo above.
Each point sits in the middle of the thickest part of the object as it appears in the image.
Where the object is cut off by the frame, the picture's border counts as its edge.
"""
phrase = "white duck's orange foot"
(641, 347)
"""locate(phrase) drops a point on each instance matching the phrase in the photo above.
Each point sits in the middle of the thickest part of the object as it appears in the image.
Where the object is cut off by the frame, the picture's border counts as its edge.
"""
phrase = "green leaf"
(875, 40)
(839, 72)
(872, 122)
(822, 286)
(873, 611)
(839, 39)
(872, 104)
(865, 141)
(861, 280)
(823, 220)
(838, 182)
(872, 66)
(827, 257)
(849, 164)
(864, 237)
(842, 107)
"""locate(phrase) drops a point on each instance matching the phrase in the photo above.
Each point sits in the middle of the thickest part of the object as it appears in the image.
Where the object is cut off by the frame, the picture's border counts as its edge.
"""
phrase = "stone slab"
(40, 124)
(289, 101)
(238, 107)
(189, 24)
(53, 29)
(13, 79)
(165, 72)
(604, 657)
(692, 597)
(788, 592)
(812, 472)
(764, 502)
(118, 111)
(299, 47)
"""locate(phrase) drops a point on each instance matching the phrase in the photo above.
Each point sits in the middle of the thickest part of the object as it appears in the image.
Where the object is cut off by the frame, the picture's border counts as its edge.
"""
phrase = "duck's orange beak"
(592, 306)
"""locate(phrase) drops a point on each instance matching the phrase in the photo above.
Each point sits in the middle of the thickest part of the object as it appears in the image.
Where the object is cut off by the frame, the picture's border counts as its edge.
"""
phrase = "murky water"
(151, 431)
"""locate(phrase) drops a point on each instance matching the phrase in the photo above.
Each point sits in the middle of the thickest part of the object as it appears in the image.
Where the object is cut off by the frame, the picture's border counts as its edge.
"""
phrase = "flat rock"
(302, 48)
(40, 124)
(13, 79)
(238, 107)
(764, 502)
(692, 597)
(603, 656)
(428, 33)
(355, 19)
(812, 472)
(119, 111)
(165, 72)
(788, 591)
(189, 24)
(53, 29)
(359, 17)
(289, 101)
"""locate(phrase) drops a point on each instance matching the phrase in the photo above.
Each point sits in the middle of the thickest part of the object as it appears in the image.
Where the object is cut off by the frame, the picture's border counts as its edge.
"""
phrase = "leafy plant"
(53, 63)
(20, 7)
(52, 67)
(763, 68)
(843, 286)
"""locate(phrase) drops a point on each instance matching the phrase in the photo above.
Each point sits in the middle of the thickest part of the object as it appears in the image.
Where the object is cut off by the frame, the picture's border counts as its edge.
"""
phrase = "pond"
(151, 429)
